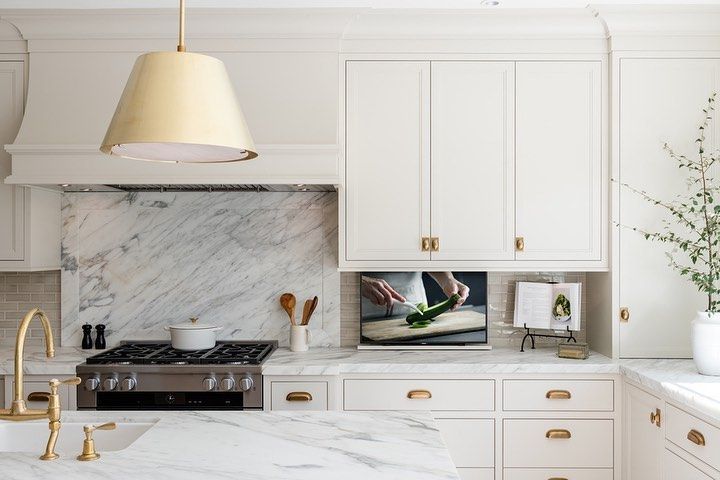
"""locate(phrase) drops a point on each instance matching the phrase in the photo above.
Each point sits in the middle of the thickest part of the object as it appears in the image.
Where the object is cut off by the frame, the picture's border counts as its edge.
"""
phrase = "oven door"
(169, 401)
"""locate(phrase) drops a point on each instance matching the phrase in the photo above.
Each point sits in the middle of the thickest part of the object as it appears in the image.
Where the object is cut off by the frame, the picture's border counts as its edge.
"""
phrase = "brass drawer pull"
(299, 397)
(558, 433)
(435, 242)
(425, 244)
(655, 417)
(38, 397)
(696, 437)
(624, 314)
(557, 478)
(558, 395)
(519, 244)
(419, 394)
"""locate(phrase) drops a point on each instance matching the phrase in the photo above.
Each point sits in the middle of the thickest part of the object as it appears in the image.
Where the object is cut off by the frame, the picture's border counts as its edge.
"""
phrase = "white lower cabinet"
(558, 474)
(476, 473)
(299, 395)
(675, 468)
(471, 442)
(693, 435)
(643, 435)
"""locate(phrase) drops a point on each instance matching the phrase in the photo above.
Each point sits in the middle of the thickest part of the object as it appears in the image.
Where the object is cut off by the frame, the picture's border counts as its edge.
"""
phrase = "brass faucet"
(19, 410)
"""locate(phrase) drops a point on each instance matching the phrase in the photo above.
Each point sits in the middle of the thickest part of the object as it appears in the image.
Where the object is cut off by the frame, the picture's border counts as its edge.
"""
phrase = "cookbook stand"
(532, 335)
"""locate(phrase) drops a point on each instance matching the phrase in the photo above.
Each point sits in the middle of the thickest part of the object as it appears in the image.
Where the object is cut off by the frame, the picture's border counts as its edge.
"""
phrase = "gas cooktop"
(162, 353)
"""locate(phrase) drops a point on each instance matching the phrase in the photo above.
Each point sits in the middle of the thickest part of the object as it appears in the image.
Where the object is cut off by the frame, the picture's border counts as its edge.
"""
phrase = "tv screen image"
(453, 308)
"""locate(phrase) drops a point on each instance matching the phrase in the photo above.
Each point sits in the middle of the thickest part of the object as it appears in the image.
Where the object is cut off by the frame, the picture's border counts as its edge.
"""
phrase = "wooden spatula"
(287, 301)
(310, 306)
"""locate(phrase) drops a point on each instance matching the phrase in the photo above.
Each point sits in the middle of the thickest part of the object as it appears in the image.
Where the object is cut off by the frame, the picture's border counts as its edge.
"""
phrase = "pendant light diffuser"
(179, 107)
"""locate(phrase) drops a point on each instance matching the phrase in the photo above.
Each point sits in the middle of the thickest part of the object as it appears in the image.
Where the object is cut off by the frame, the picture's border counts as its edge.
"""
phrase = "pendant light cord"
(181, 39)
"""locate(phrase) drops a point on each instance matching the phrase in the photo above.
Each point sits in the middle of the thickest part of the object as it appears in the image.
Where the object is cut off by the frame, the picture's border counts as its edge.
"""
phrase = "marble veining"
(140, 261)
(257, 446)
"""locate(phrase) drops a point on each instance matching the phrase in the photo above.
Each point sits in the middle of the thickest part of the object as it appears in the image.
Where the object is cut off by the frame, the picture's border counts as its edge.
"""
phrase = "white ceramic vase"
(706, 343)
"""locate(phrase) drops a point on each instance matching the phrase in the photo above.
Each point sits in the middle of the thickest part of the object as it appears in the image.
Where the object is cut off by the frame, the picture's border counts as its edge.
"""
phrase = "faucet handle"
(88, 429)
(55, 383)
(88, 451)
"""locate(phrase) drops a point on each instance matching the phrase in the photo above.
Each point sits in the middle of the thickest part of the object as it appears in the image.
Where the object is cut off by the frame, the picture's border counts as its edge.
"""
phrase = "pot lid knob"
(194, 320)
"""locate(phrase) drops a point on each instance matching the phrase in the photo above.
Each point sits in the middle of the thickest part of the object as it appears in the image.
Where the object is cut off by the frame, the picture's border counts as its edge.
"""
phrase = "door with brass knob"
(644, 438)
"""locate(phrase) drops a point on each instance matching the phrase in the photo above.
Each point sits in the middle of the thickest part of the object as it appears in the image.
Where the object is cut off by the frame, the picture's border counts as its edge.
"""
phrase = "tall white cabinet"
(661, 100)
(474, 164)
(29, 216)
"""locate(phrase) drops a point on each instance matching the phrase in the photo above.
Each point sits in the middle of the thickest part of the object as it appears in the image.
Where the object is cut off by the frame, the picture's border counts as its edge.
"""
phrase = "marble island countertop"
(253, 445)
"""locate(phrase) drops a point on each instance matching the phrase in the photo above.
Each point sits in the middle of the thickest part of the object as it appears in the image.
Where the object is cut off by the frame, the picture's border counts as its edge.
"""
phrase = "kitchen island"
(248, 445)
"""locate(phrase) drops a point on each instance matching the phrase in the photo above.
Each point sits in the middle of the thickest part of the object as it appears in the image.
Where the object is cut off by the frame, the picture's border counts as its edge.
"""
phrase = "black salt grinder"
(100, 336)
(87, 342)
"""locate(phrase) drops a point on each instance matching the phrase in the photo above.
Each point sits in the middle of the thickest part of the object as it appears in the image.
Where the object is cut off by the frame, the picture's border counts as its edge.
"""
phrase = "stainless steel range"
(155, 376)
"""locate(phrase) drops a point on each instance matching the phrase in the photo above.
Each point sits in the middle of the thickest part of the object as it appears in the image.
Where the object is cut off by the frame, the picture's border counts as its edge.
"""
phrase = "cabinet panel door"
(472, 197)
(11, 196)
(643, 439)
(559, 160)
(387, 166)
(661, 100)
(675, 468)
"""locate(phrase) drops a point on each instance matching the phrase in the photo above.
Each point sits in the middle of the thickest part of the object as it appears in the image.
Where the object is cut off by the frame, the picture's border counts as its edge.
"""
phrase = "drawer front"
(541, 443)
(680, 425)
(471, 442)
(675, 468)
(558, 395)
(476, 473)
(558, 474)
(419, 394)
(298, 395)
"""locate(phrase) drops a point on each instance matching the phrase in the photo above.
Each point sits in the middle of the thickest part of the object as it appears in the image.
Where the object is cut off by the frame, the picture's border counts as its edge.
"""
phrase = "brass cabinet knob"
(558, 395)
(419, 394)
(696, 437)
(519, 244)
(435, 243)
(558, 433)
(425, 244)
(299, 397)
(655, 417)
(624, 314)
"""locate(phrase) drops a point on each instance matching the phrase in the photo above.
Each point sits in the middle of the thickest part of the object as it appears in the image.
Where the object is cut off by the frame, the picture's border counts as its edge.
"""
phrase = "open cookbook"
(554, 306)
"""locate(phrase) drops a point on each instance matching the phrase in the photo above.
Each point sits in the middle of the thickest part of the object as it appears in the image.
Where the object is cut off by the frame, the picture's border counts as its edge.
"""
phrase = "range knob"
(209, 384)
(128, 384)
(92, 383)
(246, 383)
(227, 384)
(110, 383)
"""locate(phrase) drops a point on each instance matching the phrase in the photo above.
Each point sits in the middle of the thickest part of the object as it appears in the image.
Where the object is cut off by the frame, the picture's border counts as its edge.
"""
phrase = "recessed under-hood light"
(179, 107)
(491, 3)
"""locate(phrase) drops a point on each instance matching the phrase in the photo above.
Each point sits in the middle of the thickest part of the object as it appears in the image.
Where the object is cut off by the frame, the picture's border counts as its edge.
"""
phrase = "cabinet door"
(643, 445)
(11, 196)
(387, 169)
(675, 468)
(559, 160)
(472, 197)
(661, 101)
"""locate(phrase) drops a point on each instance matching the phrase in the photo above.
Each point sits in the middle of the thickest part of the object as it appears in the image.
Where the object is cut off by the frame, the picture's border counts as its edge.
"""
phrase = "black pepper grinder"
(87, 342)
(100, 336)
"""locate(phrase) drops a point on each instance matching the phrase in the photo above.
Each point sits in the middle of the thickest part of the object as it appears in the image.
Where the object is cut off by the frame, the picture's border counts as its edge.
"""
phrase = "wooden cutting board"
(395, 329)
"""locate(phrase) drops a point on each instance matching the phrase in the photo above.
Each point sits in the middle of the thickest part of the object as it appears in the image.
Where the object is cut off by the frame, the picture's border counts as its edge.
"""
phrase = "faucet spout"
(18, 405)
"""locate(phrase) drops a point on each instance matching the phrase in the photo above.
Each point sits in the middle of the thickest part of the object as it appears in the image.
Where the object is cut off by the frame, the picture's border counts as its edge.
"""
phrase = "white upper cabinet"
(11, 196)
(560, 179)
(661, 100)
(472, 195)
(387, 160)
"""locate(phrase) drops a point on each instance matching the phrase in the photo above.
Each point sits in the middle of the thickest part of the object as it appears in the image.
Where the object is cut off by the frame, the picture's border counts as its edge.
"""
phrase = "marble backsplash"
(140, 261)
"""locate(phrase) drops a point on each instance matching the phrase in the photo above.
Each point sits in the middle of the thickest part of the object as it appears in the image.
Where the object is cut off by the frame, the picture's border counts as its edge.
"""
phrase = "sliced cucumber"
(433, 311)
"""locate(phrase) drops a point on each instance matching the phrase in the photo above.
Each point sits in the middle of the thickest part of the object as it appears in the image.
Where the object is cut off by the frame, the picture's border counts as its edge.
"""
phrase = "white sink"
(32, 436)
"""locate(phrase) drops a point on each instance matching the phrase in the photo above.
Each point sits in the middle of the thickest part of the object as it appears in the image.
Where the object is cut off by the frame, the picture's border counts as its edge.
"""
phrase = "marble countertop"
(37, 363)
(254, 445)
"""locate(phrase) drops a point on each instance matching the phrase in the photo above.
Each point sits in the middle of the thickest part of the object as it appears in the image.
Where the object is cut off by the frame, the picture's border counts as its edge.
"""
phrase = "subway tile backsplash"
(23, 291)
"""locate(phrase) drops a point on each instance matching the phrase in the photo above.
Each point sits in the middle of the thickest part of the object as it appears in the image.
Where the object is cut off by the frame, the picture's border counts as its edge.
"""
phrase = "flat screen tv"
(453, 309)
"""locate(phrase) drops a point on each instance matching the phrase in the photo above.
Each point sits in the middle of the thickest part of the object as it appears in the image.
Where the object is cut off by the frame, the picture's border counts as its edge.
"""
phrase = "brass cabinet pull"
(558, 433)
(299, 397)
(419, 394)
(39, 397)
(435, 242)
(655, 417)
(624, 314)
(558, 395)
(557, 478)
(519, 244)
(425, 244)
(696, 437)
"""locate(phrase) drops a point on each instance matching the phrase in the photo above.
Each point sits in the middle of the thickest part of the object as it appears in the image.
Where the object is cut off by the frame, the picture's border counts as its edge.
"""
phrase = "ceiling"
(431, 4)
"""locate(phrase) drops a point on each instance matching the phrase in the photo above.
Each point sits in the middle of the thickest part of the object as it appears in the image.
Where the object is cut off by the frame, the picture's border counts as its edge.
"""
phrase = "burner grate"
(224, 353)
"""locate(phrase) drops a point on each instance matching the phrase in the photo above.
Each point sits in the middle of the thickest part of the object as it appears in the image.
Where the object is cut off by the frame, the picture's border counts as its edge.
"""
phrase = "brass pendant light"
(179, 107)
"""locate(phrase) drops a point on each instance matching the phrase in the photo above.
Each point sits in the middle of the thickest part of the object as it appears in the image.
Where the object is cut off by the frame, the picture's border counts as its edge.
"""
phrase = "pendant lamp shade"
(179, 107)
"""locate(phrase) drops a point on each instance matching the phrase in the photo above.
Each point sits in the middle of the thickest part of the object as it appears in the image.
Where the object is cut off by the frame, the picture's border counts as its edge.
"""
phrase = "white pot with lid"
(193, 335)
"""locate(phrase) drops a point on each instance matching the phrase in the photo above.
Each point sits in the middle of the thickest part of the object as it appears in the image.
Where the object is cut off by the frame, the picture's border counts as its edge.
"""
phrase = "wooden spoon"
(287, 300)
(310, 305)
(306, 312)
